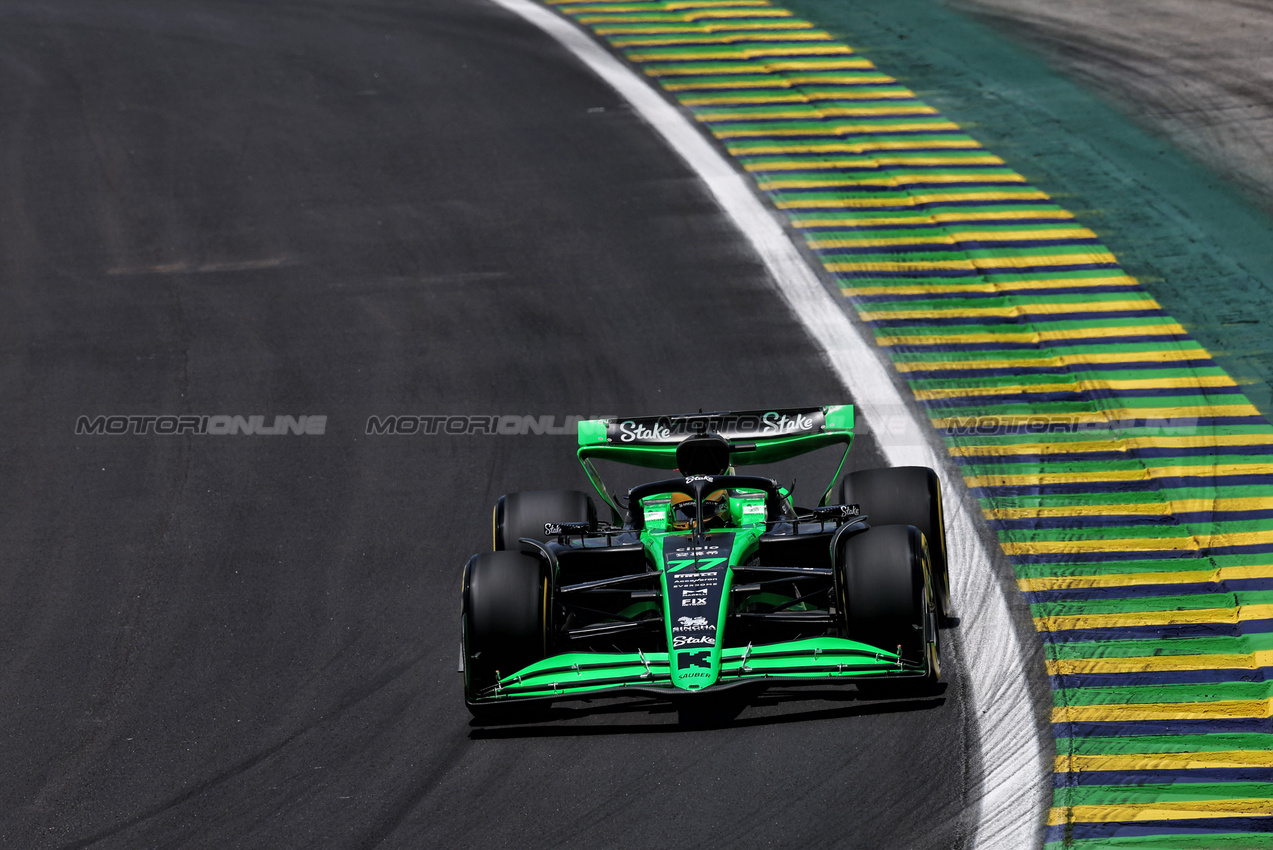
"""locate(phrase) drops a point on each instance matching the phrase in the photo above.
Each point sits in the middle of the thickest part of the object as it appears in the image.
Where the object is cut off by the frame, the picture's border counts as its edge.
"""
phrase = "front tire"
(906, 495)
(504, 621)
(888, 602)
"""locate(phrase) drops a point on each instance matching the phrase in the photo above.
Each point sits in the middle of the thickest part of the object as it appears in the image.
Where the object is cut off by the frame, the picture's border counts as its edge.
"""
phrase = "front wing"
(809, 660)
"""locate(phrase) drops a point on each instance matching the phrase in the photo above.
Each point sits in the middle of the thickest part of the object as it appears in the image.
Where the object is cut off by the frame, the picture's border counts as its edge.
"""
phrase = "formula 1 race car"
(709, 579)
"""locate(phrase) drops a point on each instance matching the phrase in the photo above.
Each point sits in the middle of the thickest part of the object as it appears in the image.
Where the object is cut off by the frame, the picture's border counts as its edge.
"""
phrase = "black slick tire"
(504, 623)
(887, 602)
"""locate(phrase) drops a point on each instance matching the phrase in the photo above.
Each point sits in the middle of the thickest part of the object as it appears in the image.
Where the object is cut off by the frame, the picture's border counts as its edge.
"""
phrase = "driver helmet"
(715, 510)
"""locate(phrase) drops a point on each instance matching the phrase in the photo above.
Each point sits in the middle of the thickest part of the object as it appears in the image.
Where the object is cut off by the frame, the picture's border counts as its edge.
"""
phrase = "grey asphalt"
(344, 210)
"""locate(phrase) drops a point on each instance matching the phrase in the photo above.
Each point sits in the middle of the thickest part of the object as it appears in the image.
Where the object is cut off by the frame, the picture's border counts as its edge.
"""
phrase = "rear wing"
(651, 441)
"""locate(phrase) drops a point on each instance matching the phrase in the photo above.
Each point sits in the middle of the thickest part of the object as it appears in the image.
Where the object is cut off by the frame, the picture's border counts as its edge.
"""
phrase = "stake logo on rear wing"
(748, 425)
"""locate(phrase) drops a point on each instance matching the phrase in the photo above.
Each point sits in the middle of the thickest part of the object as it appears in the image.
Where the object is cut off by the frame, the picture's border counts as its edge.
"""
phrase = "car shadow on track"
(723, 712)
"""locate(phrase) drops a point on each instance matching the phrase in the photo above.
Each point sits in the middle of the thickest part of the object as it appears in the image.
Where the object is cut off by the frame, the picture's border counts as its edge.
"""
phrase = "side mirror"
(704, 454)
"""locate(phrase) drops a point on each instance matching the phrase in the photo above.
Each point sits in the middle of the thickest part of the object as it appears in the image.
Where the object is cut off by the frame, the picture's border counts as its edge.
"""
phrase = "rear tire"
(519, 515)
(888, 602)
(504, 622)
(906, 495)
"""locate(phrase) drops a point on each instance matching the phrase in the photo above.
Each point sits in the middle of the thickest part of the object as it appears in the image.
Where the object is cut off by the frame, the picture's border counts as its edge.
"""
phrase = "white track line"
(1012, 789)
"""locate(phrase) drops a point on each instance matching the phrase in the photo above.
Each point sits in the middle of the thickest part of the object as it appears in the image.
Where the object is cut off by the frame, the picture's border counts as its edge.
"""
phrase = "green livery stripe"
(1126, 475)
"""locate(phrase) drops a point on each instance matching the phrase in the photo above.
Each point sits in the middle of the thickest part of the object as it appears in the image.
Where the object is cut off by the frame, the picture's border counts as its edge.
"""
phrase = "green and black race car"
(710, 579)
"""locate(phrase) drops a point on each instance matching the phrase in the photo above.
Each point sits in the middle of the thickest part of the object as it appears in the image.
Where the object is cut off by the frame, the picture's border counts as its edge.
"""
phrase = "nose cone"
(696, 583)
(695, 667)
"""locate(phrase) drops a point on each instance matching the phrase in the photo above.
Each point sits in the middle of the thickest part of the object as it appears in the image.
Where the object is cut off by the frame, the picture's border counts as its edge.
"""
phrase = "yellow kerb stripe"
(751, 68)
(666, 7)
(1154, 618)
(742, 53)
(636, 16)
(1040, 336)
(627, 13)
(912, 200)
(1147, 578)
(1159, 810)
(813, 112)
(882, 182)
(959, 237)
(937, 218)
(740, 38)
(854, 148)
(784, 27)
(762, 82)
(807, 97)
(1161, 711)
(839, 130)
(1164, 761)
(1138, 544)
(815, 164)
(955, 288)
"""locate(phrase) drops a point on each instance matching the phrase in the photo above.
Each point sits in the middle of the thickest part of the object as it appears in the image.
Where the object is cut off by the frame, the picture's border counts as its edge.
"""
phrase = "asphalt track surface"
(348, 210)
